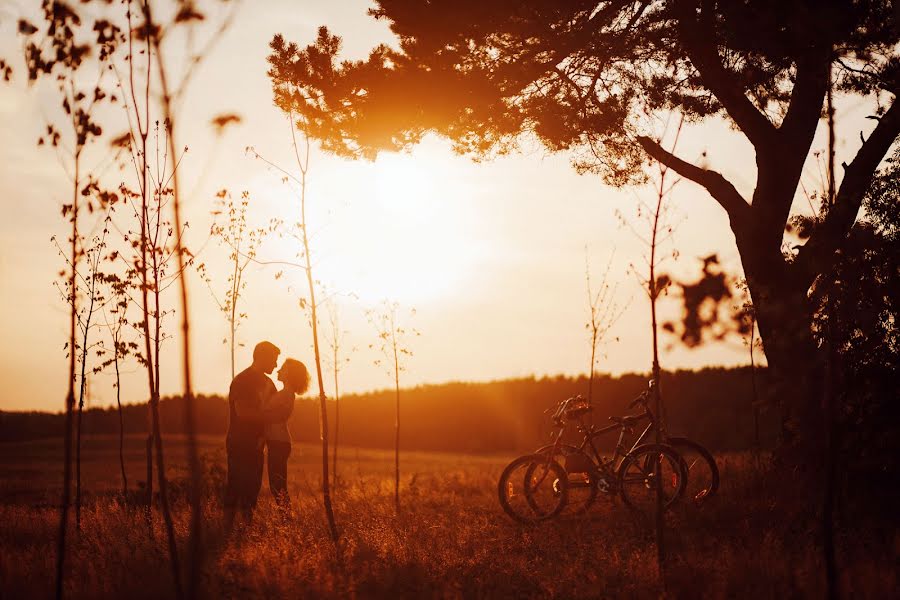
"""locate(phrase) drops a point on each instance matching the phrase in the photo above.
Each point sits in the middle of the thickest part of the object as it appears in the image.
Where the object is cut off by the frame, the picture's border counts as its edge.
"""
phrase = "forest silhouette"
(712, 405)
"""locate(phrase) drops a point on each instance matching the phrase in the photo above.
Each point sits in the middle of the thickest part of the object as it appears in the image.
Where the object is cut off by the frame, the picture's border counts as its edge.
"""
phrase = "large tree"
(592, 77)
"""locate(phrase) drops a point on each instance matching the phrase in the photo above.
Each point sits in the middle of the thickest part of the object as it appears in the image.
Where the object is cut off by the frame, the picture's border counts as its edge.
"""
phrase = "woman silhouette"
(278, 408)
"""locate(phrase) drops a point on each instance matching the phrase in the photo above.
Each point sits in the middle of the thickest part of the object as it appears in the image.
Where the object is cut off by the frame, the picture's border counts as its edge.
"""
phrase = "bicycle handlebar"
(644, 396)
(641, 399)
(562, 409)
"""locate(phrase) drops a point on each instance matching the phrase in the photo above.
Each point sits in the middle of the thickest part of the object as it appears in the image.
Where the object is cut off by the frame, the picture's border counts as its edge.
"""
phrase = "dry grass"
(451, 539)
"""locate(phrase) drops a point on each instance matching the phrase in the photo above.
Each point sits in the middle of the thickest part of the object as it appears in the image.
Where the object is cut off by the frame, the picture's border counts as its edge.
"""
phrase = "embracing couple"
(257, 425)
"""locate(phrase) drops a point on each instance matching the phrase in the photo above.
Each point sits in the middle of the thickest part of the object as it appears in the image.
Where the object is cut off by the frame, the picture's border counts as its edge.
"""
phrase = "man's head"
(265, 356)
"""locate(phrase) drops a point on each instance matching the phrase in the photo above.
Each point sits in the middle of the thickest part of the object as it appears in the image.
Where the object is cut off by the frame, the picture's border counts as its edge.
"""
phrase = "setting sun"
(393, 229)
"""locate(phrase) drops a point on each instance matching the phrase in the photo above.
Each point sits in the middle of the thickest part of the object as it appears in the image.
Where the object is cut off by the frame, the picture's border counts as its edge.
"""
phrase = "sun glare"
(393, 229)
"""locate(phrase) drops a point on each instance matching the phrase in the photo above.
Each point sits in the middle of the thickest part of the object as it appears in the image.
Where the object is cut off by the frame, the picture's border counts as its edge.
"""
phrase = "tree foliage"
(582, 75)
(857, 304)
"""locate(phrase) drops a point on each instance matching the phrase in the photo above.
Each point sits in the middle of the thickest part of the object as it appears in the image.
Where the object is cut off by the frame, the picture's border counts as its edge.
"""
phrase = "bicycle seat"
(576, 411)
(578, 408)
(624, 420)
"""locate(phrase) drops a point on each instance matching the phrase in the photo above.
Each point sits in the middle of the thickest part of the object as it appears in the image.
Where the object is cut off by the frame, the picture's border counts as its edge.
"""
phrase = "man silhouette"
(244, 441)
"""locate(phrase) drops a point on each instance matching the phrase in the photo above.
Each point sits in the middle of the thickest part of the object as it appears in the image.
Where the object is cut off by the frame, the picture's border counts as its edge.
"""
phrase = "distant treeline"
(713, 406)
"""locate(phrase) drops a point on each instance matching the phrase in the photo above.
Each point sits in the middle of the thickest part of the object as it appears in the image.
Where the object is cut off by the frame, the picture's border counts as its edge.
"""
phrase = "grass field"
(450, 540)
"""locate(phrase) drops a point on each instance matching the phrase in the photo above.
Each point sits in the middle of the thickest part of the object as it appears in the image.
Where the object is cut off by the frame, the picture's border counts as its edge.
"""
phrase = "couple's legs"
(245, 475)
(245, 467)
(278, 453)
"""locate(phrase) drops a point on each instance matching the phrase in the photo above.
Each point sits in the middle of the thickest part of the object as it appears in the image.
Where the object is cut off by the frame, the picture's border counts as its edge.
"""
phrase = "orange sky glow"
(490, 255)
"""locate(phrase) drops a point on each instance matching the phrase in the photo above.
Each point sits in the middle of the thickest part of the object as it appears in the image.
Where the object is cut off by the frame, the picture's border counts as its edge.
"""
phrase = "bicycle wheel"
(640, 471)
(702, 472)
(533, 488)
(581, 475)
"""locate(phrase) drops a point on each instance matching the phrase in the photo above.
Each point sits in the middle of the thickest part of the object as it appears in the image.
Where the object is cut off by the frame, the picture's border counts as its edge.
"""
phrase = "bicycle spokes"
(648, 471)
(538, 477)
(533, 488)
(702, 474)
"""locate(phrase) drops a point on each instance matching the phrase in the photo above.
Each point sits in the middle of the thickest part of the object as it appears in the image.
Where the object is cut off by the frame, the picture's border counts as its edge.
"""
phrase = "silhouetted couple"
(258, 414)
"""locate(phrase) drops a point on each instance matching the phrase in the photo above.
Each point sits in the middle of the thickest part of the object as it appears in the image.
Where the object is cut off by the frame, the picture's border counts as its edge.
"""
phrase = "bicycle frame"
(624, 425)
(620, 450)
(561, 429)
(590, 432)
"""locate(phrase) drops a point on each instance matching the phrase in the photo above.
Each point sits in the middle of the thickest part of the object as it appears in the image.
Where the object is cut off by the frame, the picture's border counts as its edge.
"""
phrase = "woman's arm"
(279, 408)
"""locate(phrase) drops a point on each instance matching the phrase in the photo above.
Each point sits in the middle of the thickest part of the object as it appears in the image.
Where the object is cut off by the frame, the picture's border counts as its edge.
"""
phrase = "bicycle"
(701, 471)
(545, 484)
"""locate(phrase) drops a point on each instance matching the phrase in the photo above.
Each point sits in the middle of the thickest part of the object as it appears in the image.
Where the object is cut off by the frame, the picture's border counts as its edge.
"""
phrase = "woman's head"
(294, 375)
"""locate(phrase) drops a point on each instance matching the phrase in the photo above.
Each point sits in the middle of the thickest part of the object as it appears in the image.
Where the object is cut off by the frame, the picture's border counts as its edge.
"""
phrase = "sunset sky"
(491, 255)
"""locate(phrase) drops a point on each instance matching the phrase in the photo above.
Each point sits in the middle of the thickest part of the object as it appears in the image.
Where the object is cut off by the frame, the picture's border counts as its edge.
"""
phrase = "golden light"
(393, 229)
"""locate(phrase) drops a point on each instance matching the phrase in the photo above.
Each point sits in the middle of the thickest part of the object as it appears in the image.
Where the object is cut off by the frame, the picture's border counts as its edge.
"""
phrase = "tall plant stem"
(830, 476)
(396, 419)
(323, 412)
(78, 421)
(70, 395)
(235, 291)
(161, 480)
(121, 422)
(231, 332)
(757, 447)
(190, 419)
(657, 397)
(654, 289)
(591, 371)
(93, 266)
(149, 358)
(828, 546)
(164, 498)
(337, 414)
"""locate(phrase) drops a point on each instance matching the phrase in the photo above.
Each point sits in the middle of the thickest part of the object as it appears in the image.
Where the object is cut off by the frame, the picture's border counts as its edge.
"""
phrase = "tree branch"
(888, 85)
(805, 109)
(719, 188)
(698, 36)
(818, 253)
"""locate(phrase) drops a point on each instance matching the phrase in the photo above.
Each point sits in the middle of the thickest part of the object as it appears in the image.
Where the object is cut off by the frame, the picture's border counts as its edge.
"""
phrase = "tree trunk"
(784, 317)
